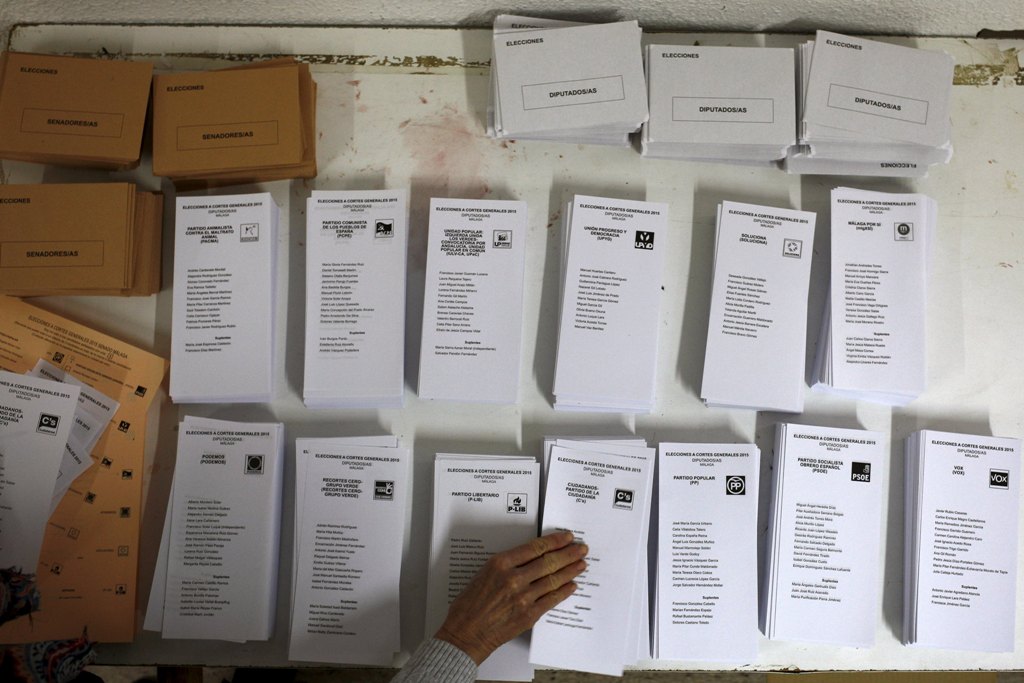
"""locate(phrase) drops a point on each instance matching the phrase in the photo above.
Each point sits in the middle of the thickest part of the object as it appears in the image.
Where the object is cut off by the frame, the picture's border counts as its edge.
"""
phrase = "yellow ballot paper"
(88, 566)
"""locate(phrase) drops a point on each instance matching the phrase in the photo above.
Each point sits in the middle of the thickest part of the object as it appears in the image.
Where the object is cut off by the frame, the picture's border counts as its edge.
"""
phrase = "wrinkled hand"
(511, 592)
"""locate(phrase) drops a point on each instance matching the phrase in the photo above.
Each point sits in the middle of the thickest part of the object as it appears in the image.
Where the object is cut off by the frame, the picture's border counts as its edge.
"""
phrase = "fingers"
(554, 561)
(538, 547)
(553, 582)
(549, 600)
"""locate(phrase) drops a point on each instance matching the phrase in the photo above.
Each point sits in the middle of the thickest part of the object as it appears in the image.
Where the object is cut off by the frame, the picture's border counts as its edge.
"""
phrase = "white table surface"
(404, 108)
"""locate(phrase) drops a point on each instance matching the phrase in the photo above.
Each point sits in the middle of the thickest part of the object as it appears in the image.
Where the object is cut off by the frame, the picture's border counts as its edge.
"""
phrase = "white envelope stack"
(871, 108)
(960, 545)
(566, 82)
(872, 342)
(724, 104)
(610, 309)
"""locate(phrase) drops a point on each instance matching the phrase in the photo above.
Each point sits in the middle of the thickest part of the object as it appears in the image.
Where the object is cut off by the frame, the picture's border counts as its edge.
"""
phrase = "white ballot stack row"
(612, 263)
(706, 588)
(871, 108)
(960, 542)
(473, 301)
(224, 308)
(356, 246)
(36, 418)
(483, 504)
(601, 492)
(351, 499)
(822, 557)
(873, 336)
(719, 104)
(758, 323)
(216, 571)
(566, 81)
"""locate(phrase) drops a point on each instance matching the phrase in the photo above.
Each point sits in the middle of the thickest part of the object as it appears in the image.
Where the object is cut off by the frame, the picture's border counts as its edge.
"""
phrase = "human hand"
(511, 592)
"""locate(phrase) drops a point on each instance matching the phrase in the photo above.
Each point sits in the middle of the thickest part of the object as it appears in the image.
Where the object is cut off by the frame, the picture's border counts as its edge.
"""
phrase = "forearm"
(436, 661)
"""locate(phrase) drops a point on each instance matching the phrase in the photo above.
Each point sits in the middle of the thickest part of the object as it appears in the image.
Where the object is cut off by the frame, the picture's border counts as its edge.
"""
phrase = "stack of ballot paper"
(758, 323)
(483, 504)
(216, 571)
(824, 533)
(706, 596)
(225, 283)
(728, 104)
(88, 238)
(614, 252)
(473, 301)
(960, 545)
(351, 498)
(566, 82)
(73, 111)
(601, 492)
(92, 417)
(247, 124)
(872, 342)
(355, 299)
(36, 417)
(871, 108)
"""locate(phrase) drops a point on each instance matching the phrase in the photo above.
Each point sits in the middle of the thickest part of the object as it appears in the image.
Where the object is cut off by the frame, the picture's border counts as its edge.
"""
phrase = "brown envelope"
(72, 110)
(97, 238)
(88, 568)
(245, 124)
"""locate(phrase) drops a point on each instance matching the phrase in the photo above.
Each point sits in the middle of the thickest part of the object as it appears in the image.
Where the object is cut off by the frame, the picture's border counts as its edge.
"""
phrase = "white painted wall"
(913, 17)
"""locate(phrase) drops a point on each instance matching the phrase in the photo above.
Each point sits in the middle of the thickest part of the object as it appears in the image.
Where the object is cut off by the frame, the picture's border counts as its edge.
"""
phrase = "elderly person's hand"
(511, 592)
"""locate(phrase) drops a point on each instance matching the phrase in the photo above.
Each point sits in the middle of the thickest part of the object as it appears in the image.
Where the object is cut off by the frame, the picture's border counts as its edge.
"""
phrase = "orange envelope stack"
(90, 238)
(242, 125)
(89, 565)
(72, 111)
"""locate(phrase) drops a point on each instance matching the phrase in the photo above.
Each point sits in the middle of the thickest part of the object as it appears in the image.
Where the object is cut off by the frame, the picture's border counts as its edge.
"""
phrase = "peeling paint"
(1005, 69)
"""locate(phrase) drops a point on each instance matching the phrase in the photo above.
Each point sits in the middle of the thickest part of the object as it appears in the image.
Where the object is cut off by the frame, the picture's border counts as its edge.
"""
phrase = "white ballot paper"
(757, 328)
(482, 505)
(602, 494)
(610, 309)
(960, 560)
(710, 103)
(355, 299)
(473, 301)
(872, 344)
(36, 418)
(224, 532)
(350, 520)
(93, 414)
(222, 341)
(707, 552)
(824, 535)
